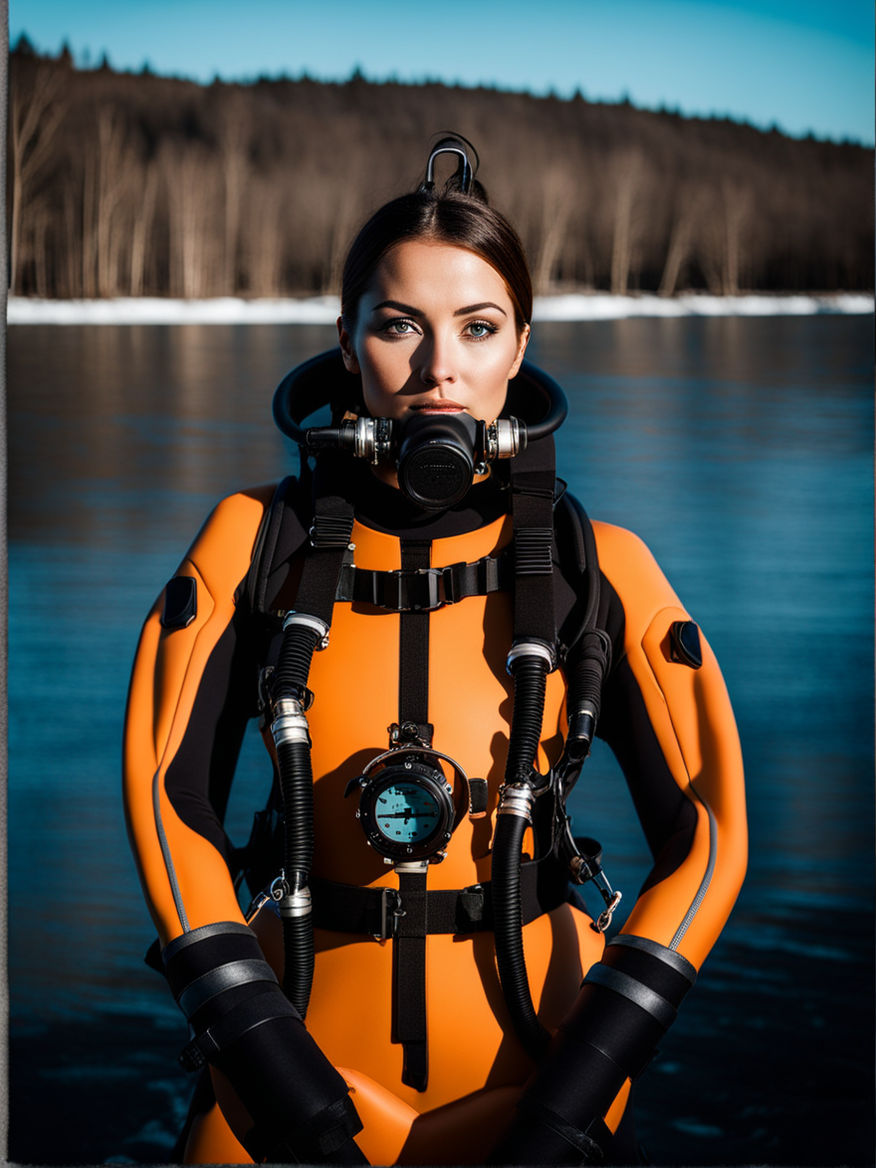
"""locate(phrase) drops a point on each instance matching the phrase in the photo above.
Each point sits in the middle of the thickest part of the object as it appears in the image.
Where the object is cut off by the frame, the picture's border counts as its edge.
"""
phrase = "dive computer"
(407, 806)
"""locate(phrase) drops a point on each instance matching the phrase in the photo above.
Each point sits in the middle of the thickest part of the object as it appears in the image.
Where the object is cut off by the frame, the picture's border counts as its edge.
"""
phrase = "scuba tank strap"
(533, 482)
(330, 535)
(533, 655)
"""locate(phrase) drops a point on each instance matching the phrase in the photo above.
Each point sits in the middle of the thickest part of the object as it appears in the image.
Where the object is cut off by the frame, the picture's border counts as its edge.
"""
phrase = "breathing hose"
(588, 661)
(528, 663)
(289, 700)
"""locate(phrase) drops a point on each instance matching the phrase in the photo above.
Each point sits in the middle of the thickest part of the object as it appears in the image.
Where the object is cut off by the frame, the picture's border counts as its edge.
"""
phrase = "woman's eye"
(478, 329)
(400, 328)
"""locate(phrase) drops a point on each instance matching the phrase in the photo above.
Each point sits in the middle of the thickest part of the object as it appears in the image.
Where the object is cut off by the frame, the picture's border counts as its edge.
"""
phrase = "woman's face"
(435, 332)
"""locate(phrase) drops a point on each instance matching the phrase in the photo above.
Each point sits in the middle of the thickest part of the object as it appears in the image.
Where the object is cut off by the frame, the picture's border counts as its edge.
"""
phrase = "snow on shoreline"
(324, 309)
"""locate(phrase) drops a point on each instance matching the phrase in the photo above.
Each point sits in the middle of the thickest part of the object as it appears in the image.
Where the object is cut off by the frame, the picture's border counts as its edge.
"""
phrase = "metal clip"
(258, 902)
(612, 900)
(586, 865)
(390, 911)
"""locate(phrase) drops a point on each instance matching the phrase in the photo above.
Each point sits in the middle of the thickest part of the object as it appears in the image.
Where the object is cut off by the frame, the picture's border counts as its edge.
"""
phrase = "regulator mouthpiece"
(436, 459)
(436, 456)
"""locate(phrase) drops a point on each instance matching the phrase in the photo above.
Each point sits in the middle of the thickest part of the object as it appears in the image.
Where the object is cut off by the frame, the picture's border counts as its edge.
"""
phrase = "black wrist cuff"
(246, 1027)
(625, 1005)
(205, 963)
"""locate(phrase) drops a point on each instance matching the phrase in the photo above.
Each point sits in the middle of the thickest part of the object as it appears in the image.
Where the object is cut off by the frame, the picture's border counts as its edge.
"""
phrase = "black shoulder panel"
(684, 638)
(180, 602)
(283, 531)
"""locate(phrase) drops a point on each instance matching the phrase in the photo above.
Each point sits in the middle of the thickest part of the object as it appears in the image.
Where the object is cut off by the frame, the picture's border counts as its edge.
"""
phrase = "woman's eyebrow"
(399, 307)
(409, 310)
(479, 308)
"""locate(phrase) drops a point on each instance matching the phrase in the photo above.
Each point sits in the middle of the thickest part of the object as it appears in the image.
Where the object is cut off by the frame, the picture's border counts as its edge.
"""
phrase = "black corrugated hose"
(589, 662)
(288, 686)
(530, 681)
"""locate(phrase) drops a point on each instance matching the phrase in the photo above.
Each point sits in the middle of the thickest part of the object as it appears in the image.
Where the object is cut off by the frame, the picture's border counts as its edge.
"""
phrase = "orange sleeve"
(184, 874)
(672, 727)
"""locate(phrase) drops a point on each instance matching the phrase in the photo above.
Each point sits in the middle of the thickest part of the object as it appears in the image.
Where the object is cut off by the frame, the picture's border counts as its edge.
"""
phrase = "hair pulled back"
(448, 216)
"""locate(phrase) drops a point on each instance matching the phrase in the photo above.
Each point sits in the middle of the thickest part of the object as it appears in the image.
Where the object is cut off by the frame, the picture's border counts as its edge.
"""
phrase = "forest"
(132, 184)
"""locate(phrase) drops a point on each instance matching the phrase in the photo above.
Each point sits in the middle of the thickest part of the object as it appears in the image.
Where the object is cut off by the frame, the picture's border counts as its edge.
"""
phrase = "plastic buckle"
(472, 906)
(420, 590)
(448, 581)
(390, 911)
(434, 587)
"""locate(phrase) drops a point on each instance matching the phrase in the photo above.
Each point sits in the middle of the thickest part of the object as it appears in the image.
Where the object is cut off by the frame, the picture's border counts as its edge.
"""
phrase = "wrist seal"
(626, 1003)
(244, 1025)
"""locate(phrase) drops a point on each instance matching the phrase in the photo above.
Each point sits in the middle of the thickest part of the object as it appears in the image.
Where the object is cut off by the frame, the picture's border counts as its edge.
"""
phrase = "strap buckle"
(419, 590)
(390, 911)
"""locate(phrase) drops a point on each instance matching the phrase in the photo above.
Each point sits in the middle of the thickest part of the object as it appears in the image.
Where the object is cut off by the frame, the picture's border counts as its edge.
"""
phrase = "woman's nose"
(437, 363)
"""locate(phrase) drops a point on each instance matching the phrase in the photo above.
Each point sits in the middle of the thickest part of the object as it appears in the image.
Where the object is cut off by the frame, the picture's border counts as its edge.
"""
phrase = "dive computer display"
(407, 806)
(406, 813)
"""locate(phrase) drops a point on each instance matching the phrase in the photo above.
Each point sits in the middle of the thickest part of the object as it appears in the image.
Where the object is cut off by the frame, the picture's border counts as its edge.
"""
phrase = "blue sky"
(800, 64)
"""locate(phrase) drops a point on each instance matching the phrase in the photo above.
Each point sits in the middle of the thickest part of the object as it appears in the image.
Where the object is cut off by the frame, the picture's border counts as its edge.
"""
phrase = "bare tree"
(722, 237)
(115, 163)
(146, 180)
(627, 173)
(191, 180)
(234, 122)
(558, 191)
(262, 235)
(34, 119)
(688, 211)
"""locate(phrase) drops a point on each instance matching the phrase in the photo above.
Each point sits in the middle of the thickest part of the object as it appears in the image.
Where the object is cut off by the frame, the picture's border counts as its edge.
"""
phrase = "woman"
(425, 628)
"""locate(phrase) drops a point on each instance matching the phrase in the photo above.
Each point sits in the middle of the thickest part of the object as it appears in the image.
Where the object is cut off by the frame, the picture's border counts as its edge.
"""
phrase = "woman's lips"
(439, 407)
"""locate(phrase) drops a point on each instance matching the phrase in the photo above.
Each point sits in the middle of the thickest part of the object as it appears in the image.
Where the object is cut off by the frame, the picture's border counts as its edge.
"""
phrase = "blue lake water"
(739, 449)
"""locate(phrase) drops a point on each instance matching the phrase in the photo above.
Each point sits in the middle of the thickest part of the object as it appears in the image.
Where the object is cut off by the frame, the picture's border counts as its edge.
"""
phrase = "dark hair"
(463, 220)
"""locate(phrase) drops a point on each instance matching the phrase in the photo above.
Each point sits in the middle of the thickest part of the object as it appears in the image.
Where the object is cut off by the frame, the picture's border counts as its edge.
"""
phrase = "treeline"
(127, 184)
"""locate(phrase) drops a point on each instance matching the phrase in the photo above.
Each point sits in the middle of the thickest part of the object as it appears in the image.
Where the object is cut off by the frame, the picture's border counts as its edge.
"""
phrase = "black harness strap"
(409, 945)
(413, 671)
(374, 912)
(532, 509)
(409, 977)
(425, 589)
(329, 545)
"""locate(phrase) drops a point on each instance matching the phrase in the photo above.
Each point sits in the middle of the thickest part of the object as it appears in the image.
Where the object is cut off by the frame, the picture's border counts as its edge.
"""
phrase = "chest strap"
(425, 589)
(375, 912)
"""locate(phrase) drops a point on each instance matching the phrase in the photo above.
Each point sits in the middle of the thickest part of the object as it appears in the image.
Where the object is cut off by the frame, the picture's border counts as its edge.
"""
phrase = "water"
(740, 449)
